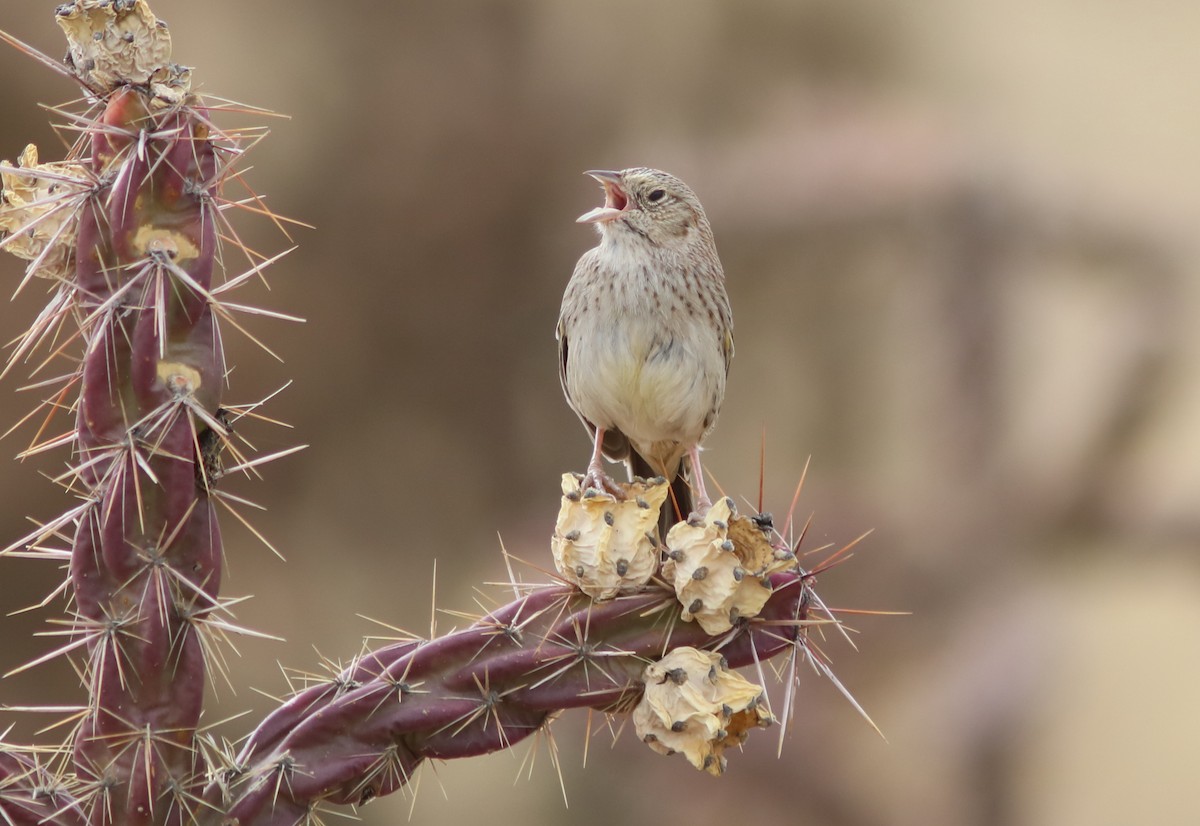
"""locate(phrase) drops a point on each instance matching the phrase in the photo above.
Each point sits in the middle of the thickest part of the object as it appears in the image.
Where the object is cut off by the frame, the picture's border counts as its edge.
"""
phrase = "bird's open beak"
(616, 201)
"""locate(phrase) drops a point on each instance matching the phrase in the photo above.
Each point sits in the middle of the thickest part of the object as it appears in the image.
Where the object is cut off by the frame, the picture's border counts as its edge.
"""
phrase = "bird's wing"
(616, 445)
(560, 333)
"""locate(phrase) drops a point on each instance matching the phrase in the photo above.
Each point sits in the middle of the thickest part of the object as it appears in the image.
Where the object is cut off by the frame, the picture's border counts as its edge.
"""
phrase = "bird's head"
(651, 204)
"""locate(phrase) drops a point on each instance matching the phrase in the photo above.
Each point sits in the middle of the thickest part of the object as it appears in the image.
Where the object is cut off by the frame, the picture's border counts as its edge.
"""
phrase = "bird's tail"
(679, 504)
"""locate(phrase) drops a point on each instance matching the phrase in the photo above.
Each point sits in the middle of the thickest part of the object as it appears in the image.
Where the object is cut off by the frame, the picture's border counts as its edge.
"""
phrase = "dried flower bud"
(605, 545)
(115, 44)
(695, 705)
(36, 210)
(708, 561)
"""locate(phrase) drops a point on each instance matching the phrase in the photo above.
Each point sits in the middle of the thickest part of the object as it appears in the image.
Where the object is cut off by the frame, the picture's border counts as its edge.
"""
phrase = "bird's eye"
(657, 195)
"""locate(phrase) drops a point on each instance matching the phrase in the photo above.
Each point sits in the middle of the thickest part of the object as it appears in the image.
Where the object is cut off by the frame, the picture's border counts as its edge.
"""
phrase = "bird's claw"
(700, 511)
(597, 479)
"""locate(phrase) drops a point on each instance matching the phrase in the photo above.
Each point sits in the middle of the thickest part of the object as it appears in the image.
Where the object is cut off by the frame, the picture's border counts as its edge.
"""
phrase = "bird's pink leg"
(595, 476)
(699, 494)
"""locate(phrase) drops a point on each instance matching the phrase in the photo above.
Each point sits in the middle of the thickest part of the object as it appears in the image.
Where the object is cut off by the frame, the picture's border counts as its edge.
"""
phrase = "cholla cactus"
(475, 691)
(126, 230)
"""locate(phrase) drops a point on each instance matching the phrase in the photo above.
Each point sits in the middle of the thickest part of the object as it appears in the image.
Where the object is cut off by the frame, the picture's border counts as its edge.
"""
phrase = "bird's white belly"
(636, 377)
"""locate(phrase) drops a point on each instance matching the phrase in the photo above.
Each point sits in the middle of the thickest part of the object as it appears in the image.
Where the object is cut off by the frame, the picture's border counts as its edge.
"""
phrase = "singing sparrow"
(645, 334)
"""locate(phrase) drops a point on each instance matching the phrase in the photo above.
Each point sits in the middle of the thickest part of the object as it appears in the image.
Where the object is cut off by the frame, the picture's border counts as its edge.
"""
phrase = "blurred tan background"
(961, 250)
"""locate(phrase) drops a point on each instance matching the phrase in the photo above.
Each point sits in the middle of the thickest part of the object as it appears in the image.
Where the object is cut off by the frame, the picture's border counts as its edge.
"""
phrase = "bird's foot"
(699, 495)
(699, 512)
(597, 479)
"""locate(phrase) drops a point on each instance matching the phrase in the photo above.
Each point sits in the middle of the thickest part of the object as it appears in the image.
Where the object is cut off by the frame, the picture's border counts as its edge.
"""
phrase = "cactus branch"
(366, 731)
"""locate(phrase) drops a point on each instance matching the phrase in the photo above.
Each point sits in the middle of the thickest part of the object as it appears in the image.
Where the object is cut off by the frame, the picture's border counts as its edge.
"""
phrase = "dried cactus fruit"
(605, 545)
(38, 212)
(720, 566)
(112, 43)
(695, 705)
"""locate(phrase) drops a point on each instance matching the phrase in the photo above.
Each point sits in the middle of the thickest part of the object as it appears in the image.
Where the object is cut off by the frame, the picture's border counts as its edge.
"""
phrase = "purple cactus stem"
(147, 554)
(476, 691)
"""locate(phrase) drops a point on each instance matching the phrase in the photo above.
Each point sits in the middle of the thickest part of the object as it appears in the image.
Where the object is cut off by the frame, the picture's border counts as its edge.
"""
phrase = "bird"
(645, 335)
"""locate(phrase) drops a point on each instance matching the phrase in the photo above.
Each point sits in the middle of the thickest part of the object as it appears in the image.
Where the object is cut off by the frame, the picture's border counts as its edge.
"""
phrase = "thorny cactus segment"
(113, 43)
(605, 545)
(478, 690)
(146, 561)
(720, 565)
(145, 568)
(694, 704)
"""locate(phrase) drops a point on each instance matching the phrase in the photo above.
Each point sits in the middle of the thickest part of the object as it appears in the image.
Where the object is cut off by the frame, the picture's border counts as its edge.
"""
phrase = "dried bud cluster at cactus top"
(719, 563)
(113, 43)
(127, 231)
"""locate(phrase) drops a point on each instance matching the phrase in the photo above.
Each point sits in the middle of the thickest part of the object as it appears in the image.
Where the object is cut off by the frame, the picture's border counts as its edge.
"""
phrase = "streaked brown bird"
(645, 334)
